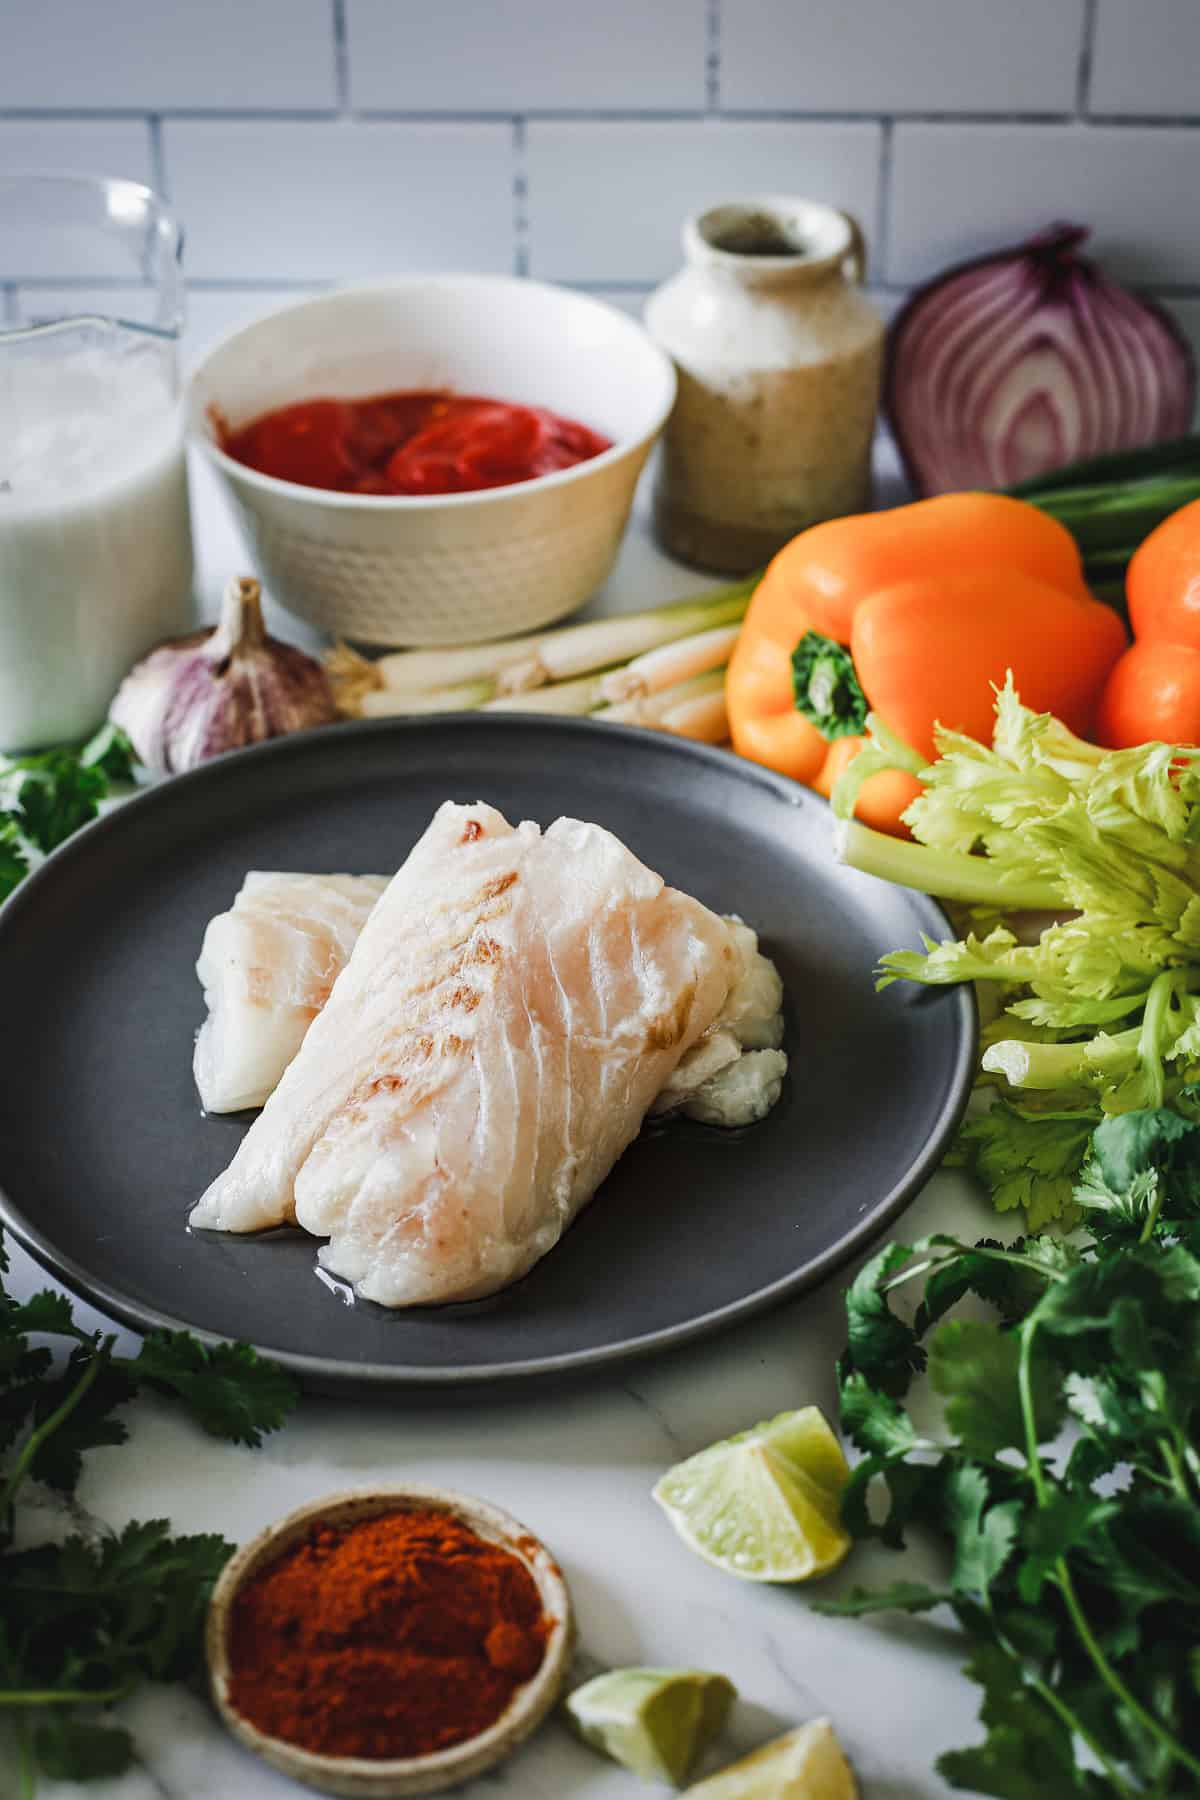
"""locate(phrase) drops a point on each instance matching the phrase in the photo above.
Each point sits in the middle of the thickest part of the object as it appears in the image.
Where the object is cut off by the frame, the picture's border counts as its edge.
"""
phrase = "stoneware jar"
(778, 357)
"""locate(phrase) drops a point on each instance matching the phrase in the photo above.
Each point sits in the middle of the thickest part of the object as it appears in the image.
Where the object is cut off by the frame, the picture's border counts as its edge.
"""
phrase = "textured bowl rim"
(530, 1704)
(409, 503)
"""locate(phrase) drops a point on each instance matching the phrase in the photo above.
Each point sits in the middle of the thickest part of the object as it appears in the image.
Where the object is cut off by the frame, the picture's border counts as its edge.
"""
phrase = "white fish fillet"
(259, 954)
(512, 1007)
(734, 1074)
(267, 967)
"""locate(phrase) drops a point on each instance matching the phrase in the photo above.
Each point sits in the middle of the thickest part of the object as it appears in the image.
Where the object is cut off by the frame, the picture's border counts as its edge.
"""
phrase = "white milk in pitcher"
(95, 539)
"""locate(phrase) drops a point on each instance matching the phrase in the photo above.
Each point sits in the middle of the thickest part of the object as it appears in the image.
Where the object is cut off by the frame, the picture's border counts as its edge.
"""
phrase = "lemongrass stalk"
(579, 696)
(704, 719)
(652, 709)
(350, 676)
(672, 663)
(385, 703)
(601, 643)
(415, 671)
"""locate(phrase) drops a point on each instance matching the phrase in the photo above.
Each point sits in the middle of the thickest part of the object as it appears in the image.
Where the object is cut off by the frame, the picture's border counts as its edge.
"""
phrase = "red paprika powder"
(394, 1637)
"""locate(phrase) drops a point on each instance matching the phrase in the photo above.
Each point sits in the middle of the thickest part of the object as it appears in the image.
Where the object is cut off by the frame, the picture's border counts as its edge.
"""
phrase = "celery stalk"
(950, 874)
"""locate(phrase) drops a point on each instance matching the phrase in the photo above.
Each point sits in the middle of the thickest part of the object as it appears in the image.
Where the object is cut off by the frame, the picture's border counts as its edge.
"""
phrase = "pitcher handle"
(856, 255)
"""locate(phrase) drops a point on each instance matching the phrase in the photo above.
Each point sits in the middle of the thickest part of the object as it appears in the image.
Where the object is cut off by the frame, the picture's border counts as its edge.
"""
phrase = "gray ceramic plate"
(103, 1147)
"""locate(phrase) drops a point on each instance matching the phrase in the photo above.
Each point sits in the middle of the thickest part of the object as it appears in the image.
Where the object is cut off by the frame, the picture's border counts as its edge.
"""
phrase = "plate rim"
(959, 1003)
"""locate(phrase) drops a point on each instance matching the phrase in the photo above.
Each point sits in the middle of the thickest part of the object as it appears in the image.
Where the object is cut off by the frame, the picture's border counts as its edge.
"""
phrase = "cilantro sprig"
(1065, 1475)
(84, 1622)
(47, 796)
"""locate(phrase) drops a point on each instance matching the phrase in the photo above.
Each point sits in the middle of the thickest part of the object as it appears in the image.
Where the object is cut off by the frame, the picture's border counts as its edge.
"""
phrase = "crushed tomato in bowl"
(417, 443)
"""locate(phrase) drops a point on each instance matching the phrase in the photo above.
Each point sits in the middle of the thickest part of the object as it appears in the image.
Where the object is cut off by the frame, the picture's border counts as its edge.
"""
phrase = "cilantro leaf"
(52, 795)
(1075, 1566)
(46, 797)
(875, 1421)
(112, 752)
(228, 1388)
(881, 1345)
(983, 1535)
(1028, 1753)
(58, 1460)
(1012, 1280)
(973, 1365)
(1028, 1160)
(898, 1596)
(84, 1622)
(71, 1749)
(14, 858)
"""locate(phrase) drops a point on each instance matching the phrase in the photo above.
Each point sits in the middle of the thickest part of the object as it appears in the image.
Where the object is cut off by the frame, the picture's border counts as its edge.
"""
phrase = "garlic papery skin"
(195, 697)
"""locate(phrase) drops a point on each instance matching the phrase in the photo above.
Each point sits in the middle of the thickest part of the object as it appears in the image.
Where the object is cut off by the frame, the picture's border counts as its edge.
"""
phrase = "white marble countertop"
(576, 1464)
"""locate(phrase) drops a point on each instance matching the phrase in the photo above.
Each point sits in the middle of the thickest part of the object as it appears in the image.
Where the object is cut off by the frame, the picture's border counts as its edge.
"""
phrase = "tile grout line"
(1083, 71)
(341, 56)
(325, 115)
(883, 219)
(712, 57)
(520, 196)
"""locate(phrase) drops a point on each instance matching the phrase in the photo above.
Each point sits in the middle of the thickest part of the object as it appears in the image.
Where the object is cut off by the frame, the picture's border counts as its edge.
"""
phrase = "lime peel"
(764, 1505)
(805, 1764)
(654, 1721)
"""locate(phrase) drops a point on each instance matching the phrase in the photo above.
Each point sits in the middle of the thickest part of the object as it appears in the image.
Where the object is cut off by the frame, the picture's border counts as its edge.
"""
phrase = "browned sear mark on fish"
(492, 890)
(484, 950)
(471, 831)
(465, 997)
(453, 1045)
(665, 1033)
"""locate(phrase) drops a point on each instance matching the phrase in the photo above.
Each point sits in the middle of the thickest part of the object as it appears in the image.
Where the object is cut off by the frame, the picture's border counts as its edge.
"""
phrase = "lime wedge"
(765, 1504)
(805, 1764)
(655, 1721)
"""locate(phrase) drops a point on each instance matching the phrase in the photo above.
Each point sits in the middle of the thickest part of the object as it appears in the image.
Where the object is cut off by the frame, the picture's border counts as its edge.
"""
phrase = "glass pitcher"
(95, 538)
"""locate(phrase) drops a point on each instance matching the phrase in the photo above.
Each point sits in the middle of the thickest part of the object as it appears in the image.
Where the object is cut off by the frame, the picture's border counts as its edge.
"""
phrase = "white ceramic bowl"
(451, 568)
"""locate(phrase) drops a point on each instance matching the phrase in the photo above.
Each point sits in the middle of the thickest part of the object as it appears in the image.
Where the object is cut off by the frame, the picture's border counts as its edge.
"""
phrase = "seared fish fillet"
(269, 964)
(512, 1007)
(267, 967)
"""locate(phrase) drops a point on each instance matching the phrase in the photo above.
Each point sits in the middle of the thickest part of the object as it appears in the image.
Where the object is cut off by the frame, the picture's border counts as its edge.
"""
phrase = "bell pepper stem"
(826, 687)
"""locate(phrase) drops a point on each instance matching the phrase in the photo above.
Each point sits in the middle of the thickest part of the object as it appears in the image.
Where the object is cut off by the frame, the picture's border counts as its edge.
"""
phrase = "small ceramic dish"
(369, 1778)
(440, 568)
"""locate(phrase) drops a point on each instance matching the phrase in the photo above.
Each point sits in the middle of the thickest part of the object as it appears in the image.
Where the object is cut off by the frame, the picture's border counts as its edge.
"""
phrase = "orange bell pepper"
(915, 614)
(1153, 693)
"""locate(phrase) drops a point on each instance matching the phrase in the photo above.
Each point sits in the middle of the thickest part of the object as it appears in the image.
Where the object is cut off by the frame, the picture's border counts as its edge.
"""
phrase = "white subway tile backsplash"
(961, 189)
(635, 114)
(1146, 57)
(212, 312)
(606, 201)
(80, 146)
(317, 201)
(256, 54)
(526, 56)
(912, 56)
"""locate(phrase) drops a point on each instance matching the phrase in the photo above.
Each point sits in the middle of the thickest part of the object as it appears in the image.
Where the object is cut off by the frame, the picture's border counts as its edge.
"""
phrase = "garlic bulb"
(194, 697)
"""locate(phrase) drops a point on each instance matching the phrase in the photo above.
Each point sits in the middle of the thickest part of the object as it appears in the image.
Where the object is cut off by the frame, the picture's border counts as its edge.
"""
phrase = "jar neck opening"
(762, 242)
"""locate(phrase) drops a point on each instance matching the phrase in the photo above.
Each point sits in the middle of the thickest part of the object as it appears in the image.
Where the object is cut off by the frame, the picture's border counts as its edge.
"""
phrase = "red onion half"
(1021, 361)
